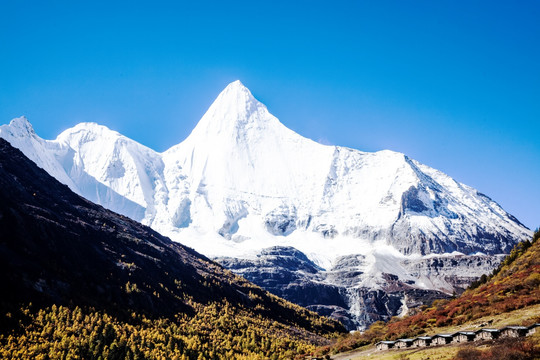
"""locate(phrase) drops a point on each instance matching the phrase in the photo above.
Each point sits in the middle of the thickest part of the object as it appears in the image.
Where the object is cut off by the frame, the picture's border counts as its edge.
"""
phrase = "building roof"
(534, 325)
(444, 335)
(489, 330)
(515, 327)
(467, 332)
(404, 340)
(386, 342)
(423, 338)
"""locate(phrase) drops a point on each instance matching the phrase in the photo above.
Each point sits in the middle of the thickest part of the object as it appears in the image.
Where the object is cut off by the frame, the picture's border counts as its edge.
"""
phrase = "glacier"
(242, 182)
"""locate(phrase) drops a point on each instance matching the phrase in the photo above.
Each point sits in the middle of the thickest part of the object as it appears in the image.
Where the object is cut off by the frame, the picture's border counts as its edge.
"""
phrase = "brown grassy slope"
(514, 285)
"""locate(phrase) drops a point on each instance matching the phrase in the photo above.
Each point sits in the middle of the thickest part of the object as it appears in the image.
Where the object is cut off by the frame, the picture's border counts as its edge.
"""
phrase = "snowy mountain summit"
(242, 182)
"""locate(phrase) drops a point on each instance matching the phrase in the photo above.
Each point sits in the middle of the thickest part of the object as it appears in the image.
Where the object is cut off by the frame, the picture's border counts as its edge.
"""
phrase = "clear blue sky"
(455, 85)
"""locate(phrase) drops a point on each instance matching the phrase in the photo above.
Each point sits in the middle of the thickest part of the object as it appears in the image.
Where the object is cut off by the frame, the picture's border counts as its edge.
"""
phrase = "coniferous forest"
(215, 331)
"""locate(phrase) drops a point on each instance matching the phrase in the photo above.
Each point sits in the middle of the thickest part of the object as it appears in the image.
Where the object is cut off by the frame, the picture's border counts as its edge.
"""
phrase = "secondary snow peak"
(21, 126)
(88, 132)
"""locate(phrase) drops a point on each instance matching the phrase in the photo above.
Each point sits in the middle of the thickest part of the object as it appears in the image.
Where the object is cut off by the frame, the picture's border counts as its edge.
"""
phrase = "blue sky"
(455, 85)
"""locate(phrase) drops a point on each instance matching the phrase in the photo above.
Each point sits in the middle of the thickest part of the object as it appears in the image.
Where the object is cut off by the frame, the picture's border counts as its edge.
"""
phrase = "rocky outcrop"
(451, 273)
(352, 296)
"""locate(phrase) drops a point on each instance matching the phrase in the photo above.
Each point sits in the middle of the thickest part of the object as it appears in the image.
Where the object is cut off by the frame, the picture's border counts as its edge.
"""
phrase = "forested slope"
(79, 280)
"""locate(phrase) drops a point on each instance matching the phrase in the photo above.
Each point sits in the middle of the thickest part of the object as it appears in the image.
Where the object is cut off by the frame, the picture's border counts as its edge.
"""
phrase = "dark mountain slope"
(58, 248)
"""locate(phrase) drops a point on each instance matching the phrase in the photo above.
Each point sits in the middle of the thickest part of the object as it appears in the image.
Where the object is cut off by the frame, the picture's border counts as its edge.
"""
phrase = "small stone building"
(464, 336)
(487, 334)
(403, 343)
(442, 339)
(421, 341)
(533, 328)
(514, 331)
(385, 345)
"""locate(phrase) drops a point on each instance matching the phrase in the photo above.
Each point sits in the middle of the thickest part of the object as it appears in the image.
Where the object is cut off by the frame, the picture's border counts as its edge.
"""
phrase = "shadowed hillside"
(68, 265)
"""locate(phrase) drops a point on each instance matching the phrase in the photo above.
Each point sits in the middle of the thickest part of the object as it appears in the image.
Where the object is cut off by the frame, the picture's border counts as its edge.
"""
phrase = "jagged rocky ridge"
(242, 182)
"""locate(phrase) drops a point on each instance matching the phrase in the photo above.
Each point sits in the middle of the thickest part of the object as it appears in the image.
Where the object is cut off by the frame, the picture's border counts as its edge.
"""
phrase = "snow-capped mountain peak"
(242, 182)
(245, 181)
(234, 103)
(235, 116)
(240, 162)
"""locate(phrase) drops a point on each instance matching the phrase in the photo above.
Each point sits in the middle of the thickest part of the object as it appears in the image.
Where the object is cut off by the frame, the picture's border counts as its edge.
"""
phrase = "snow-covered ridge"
(242, 181)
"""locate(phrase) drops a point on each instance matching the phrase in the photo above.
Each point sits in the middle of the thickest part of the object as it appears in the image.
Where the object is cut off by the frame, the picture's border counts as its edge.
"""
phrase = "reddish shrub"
(513, 349)
(468, 353)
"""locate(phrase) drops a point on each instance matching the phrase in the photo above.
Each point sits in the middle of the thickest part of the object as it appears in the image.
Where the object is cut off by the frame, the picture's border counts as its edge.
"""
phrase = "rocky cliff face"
(450, 273)
(342, 292)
